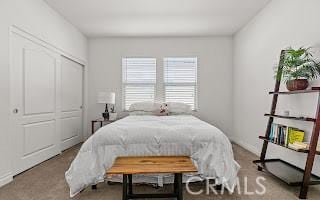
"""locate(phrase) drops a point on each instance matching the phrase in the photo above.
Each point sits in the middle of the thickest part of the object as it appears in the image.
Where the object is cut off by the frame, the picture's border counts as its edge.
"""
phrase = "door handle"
(15, 111)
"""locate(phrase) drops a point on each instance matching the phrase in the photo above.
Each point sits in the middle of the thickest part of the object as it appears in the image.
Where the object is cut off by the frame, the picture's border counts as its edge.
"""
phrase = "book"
(271, 135)
(298, 146)
(283, 135)
(295, 135)
(277, 134)
(286, 137)
(302, 146)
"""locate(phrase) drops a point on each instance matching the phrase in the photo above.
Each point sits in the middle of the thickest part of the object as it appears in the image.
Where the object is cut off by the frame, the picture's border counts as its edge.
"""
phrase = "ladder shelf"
(279, 168)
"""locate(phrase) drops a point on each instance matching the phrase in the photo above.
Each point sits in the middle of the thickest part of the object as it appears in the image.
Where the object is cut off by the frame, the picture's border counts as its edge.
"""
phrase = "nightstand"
(102, 122)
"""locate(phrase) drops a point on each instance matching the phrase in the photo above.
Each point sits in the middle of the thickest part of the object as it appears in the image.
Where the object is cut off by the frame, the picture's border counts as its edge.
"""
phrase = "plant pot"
(297, 84)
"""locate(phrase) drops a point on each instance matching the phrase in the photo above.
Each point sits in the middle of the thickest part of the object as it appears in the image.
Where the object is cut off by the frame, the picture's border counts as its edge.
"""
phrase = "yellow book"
(296, 135)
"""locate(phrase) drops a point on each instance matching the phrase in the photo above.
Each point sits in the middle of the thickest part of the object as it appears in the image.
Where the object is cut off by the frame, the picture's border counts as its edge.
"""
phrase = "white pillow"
(140, 113)
(146, 106)
(178, 108)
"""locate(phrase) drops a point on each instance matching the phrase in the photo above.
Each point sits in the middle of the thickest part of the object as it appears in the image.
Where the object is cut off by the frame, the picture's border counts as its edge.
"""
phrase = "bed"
(148, 135)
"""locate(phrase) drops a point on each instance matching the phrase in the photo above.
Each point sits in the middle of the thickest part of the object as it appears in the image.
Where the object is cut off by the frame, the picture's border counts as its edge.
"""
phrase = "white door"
(34, 92)
(71, 86)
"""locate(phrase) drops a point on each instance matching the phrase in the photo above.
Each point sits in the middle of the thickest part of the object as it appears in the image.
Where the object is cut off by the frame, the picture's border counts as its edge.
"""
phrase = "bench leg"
(178, 186)
(127, 190)
(175, 184)
(125, 187)
(130, 184)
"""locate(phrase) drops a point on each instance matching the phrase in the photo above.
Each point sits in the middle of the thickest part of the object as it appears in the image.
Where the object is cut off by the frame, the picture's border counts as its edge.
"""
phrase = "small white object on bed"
(209, 148)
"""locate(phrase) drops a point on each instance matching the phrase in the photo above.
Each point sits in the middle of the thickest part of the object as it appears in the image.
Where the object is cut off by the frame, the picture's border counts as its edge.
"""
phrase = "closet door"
(34, 75)
(72, 87)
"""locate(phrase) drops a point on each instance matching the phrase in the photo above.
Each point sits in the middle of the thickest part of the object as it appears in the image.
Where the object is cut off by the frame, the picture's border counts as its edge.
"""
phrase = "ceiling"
(100, 18)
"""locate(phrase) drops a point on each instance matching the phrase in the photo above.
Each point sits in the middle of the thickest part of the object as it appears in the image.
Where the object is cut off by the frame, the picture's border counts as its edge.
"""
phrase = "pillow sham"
(149, 108)
(146, 106)
(177, 108)
(140, 113)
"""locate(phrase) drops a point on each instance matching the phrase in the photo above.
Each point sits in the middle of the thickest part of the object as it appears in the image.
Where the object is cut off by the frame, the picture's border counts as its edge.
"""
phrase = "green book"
(295, 135)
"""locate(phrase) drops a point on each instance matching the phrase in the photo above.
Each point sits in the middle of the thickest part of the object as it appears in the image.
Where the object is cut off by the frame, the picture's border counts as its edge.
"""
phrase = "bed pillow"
(140, 113)
(177, 108)
(145, 106)
(149, 108)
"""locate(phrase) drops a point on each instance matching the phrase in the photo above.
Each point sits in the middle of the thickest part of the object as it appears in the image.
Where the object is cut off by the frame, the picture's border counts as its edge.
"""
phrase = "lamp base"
(105, 115)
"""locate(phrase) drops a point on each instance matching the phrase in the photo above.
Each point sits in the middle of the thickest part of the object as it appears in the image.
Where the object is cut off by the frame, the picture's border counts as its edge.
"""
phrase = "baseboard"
(246, 146)
(7, 178)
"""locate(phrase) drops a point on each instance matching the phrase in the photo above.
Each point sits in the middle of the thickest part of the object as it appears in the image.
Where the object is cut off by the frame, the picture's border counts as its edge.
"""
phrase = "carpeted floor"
(46, 181)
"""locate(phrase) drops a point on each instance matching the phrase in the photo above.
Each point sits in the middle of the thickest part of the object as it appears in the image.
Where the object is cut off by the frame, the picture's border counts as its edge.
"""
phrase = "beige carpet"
(46, 181)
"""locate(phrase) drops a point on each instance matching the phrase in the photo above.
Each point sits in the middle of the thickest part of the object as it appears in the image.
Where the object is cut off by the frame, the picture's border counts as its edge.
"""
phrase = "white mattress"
(209, 148)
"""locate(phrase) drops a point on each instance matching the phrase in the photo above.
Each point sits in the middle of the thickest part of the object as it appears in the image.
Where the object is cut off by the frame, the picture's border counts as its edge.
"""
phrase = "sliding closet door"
(34, 75)
(71, 85)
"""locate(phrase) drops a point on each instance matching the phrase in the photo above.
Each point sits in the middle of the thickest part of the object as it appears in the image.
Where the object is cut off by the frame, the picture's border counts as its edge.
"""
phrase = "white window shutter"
(180, 80)
(138, 79)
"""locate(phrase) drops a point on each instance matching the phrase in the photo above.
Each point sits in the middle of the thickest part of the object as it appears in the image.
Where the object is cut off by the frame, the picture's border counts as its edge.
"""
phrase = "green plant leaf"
(298, 64)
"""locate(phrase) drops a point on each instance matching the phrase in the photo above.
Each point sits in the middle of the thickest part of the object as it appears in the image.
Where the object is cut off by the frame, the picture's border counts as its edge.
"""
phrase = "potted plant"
(298, 68)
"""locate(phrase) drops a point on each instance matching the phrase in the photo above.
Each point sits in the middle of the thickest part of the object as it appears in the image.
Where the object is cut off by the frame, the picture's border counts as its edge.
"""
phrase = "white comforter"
(209, 148)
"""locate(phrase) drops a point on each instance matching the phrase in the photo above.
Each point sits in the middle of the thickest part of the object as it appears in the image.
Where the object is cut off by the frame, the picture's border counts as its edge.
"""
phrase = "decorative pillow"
(177, 108)
(162, 111)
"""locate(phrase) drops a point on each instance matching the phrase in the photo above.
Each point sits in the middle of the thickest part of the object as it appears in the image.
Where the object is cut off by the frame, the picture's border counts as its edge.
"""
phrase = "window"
(180, 80)
(138, 80)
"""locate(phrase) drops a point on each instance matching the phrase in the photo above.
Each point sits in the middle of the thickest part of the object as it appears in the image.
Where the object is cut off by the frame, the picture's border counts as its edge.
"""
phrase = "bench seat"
(127, 166)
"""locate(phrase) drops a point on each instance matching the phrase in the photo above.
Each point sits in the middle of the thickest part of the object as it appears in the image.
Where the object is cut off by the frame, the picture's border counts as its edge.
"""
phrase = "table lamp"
(106, 98)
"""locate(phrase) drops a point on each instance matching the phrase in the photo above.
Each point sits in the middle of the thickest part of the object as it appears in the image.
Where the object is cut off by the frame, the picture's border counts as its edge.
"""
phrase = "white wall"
(214, 71)
(35, 17)
(257, 46)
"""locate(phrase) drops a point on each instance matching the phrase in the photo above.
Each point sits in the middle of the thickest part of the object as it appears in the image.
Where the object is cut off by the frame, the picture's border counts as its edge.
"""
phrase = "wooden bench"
(127, 166)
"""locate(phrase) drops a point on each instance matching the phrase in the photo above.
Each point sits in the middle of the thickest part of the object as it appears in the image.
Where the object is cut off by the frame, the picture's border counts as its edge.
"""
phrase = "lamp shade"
(106, 97)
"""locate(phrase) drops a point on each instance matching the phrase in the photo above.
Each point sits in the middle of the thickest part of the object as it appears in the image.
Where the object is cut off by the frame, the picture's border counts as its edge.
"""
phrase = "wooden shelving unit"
(283, 170)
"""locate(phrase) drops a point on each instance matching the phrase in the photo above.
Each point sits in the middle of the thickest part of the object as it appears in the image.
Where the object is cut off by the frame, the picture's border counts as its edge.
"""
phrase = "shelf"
(308, 119)
(313, 89)
(299, 150)
(287, 172)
